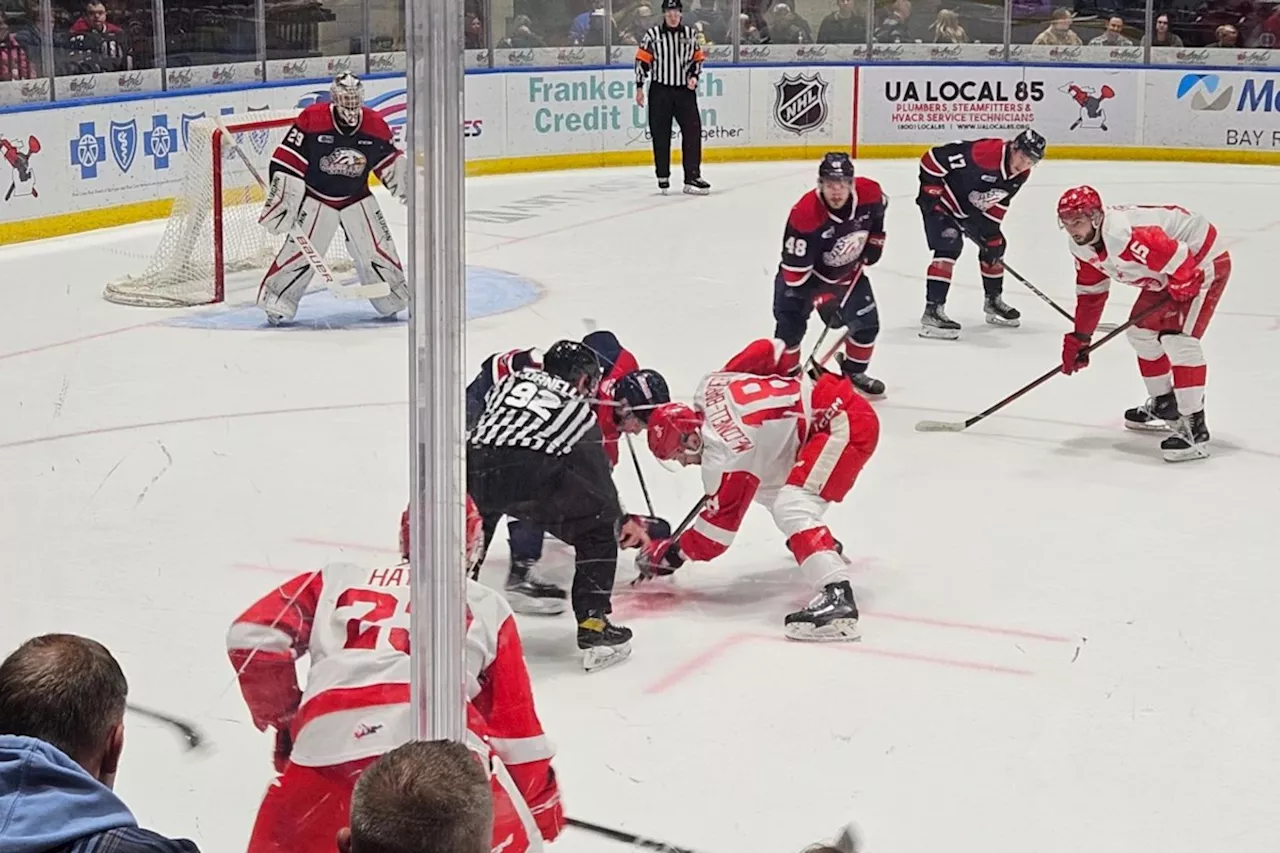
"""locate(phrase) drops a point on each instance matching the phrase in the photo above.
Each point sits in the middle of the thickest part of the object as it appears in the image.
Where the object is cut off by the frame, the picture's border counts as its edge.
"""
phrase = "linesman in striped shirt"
(537, 454)
(670, 59)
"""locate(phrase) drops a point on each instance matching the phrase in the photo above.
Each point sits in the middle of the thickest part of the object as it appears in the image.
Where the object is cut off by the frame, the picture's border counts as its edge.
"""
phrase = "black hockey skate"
(603, 644)
(526, 594)
(831, 616)
(936, 324)
(1190, 439)
(999, 313)
(867, 386)
(697, 186)
(1155, 415)
(664, 184)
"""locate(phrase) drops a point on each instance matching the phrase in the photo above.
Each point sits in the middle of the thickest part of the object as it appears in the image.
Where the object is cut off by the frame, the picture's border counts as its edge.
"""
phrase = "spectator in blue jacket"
(62, 702)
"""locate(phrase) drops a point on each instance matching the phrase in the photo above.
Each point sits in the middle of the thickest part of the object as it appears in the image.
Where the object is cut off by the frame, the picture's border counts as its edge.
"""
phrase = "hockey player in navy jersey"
(966, 187)
(320, 180)
(833, 234)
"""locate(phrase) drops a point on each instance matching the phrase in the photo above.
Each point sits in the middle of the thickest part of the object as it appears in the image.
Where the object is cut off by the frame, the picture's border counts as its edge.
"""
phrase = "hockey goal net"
(213, 231)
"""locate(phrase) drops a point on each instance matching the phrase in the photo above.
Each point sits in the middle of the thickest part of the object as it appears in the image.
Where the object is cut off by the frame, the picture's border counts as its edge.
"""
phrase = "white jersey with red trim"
(1145, 246)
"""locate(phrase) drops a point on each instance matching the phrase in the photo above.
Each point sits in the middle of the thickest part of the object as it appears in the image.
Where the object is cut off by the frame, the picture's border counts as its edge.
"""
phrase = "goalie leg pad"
(374, 252)
(289, 274)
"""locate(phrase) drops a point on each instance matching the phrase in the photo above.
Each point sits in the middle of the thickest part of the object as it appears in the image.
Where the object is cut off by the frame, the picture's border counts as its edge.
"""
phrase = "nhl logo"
(800, 104)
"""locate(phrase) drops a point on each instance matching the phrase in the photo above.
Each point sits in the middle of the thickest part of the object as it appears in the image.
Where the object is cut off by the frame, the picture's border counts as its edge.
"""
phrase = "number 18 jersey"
(753, 425)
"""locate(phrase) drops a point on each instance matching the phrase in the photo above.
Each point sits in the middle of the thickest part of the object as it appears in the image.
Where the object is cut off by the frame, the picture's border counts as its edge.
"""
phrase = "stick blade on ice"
(939, 426)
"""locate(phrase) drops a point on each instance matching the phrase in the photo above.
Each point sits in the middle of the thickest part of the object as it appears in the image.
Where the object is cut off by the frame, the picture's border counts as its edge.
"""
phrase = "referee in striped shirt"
(670, 58)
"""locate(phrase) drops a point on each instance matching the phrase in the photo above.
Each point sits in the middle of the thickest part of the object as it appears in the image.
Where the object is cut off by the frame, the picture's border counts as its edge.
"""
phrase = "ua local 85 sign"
(1074, 106)
(1231, 110)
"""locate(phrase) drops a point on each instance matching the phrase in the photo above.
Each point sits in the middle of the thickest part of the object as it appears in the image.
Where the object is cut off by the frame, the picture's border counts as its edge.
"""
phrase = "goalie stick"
(626, 837)
(304, 244)
(193, 736)
(961, 426)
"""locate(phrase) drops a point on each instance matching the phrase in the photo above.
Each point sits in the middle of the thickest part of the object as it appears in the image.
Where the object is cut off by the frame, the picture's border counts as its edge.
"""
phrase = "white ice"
(1069, 644)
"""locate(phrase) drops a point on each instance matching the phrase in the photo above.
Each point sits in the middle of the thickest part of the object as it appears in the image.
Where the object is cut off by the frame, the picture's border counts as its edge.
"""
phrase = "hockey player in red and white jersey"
(354, 623)
(320, 181)
(794, 445)
(1174, 255)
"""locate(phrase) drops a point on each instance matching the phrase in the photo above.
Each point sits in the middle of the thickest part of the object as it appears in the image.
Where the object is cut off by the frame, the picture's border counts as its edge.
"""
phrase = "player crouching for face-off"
(833, 233)
(354, 622)
(320, 180)
(1174, 256)
(966, 187)
(795, 446)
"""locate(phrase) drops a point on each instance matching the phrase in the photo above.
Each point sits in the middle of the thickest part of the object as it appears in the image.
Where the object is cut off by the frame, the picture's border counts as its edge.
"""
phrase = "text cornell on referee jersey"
(670, 58)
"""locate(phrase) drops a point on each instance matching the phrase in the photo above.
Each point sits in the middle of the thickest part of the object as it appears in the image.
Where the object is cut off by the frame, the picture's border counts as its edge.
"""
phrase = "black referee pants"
(567, 497)
(680, 103)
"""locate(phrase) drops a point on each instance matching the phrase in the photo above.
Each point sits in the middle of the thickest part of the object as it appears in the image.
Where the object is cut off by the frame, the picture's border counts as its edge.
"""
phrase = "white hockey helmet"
(347, 95)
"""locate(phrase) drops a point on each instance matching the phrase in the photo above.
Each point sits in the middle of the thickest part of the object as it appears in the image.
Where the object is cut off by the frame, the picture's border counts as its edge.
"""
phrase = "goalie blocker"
(320, 181)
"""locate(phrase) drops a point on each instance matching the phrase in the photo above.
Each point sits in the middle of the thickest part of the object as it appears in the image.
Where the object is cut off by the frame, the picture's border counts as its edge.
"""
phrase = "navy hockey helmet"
(835, 164)
(642, 391)
(572, 360)
(1030, 143)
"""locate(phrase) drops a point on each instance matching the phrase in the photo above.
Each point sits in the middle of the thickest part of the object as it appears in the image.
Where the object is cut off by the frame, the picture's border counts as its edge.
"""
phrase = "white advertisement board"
(1232, 110)
(921, 104)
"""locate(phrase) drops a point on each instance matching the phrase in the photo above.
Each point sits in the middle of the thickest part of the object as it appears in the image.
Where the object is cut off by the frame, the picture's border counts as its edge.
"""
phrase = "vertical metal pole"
(159, 42)
(260, 36)
(366, 40)
(488, 30)
(1147, 36)
(1008, 29)
(871, 26)
(735, 28)
(436, 317)
(46, 47)
(608, 32)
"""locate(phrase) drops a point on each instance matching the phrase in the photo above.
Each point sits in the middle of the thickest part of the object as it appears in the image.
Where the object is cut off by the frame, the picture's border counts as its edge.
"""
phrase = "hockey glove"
(284, 748)
(284, 200)
(659, 558)
(1186, 286)
(546, 809)
(991, 250)
(828, 308)
(654, 527)
(1074, 356)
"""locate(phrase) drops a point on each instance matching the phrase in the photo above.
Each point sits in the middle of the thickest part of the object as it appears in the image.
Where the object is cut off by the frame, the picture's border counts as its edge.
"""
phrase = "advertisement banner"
(1228, 110)
(1215, 56)
(204, 76)
(1078, 106)
(587, 111)
(16, 92)
(551, 57)
(802, 106)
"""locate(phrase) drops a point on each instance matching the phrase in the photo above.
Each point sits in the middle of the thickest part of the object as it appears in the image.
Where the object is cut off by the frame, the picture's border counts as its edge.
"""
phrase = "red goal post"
(213, 231)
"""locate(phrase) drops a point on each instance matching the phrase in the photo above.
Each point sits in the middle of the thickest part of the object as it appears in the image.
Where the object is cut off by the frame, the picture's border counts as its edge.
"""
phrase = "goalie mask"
(347, 96)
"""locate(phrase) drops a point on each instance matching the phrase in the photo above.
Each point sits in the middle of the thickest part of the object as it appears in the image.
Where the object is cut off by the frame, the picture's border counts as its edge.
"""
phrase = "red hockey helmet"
(475, 534)
(669, 425)
(1080, 201)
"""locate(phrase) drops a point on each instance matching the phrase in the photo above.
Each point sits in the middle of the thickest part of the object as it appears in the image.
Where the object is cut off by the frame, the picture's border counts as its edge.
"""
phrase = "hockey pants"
(946, 240)
(681, 104)
(793, 305)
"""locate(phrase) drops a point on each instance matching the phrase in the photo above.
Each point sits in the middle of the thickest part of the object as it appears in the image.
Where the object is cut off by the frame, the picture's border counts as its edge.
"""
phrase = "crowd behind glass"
(56, 38)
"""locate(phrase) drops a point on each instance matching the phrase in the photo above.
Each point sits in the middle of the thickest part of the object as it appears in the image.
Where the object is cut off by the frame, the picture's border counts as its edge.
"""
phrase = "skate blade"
(602, 657)
(997, 320)
(1156, 426)
(868, 395)
(536, 606)
(1195, 451)
(836, 631)
(937, 334)
(688, 190)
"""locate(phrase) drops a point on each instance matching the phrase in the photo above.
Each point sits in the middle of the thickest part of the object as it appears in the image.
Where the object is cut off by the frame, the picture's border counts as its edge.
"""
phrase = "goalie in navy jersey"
(965, 188)
(624, 398)
(833, 233)
(319, 181)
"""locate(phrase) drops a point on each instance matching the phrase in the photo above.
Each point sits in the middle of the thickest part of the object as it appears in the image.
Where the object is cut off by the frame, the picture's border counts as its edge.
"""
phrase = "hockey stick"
(303, 242)
(961, 426)
(857, 274)
(626, 837)
(684, 525)
(193, 736)
(639, 474)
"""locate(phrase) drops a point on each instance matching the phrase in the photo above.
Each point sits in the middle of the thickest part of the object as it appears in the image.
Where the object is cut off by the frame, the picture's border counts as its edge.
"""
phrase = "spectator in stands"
(751, 34)
(521, 35)
(1113, 36)
(96, 44)
(1164, 37)
(1059, 32)
(31, 37)
(894, 29)
(422, 797)
(946, 29)
(846, 25)
(473, 36)
(641, 20)
(62, 701)
(14, 62)
(712, 20)
(1227, 36)
(786, 27)
(582, 23)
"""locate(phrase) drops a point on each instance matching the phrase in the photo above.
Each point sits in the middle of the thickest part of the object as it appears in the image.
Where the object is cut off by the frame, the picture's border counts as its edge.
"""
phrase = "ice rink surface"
(1069, 644)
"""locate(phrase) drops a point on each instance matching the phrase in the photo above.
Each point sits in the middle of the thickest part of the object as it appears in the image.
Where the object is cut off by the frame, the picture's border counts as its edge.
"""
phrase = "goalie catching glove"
(284, 200)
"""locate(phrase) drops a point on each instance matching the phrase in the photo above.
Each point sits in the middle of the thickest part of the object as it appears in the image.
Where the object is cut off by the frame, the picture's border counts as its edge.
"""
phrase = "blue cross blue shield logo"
(124, 143)
(160, 141)
(259, 138)
(87, 150)
(186, 127)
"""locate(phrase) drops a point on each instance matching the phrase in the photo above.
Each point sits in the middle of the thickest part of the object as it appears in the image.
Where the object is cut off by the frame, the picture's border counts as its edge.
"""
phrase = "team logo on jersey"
(364, 730)
(347, 162)
(1091, 101)
(124, 143)
(800, 102)
(845, 250)
(987, 200)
